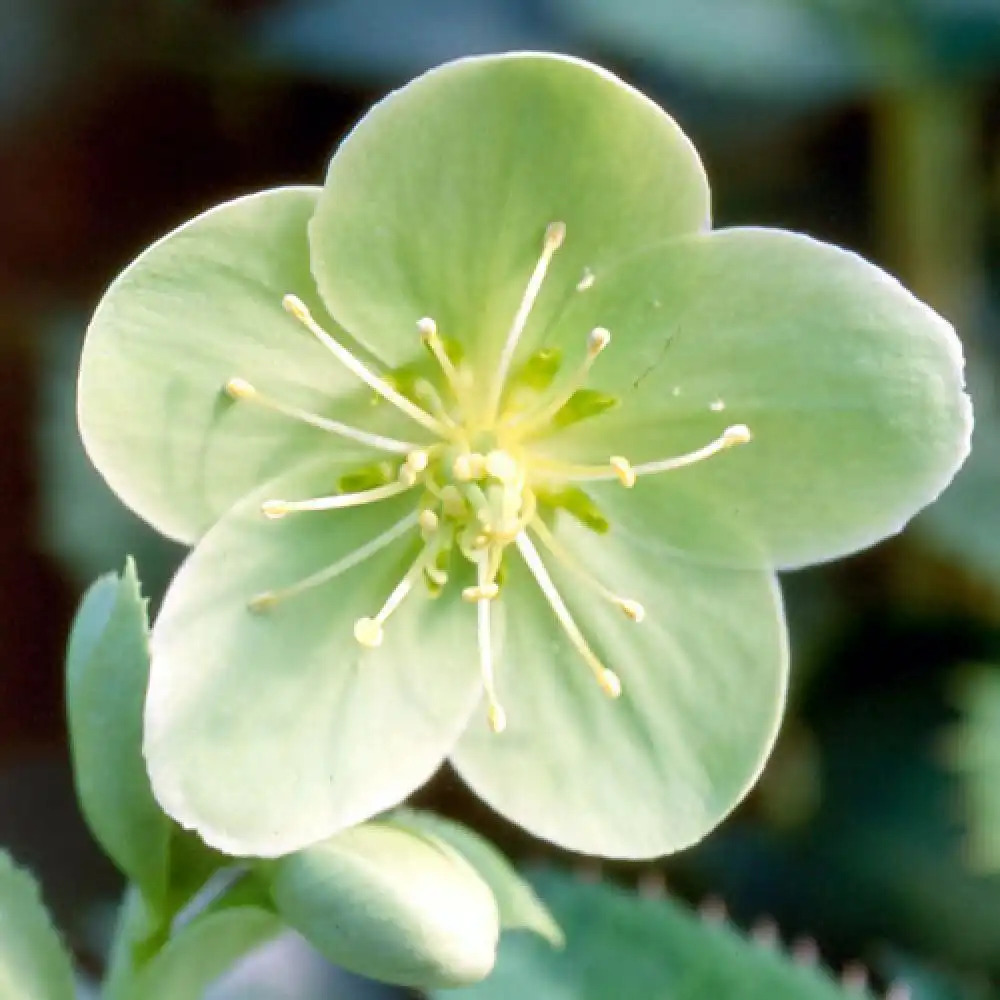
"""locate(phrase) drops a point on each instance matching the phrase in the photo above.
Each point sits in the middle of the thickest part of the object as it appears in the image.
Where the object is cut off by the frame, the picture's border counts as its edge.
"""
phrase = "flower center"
(478, 486)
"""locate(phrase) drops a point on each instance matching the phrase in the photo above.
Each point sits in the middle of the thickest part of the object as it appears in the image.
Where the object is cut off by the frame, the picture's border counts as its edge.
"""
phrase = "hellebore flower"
(489, 449)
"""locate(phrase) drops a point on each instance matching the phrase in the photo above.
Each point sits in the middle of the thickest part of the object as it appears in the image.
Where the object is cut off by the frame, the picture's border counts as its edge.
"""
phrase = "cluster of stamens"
(479, 488)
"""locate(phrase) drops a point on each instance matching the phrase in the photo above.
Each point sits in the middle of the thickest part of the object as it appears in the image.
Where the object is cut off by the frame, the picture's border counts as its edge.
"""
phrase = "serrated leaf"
(518, 904)
(107, 670)
(622, 945)
(33, 962)
(390, 904)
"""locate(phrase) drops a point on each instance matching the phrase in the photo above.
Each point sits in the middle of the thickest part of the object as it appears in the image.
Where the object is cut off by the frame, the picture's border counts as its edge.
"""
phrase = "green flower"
(489, 450)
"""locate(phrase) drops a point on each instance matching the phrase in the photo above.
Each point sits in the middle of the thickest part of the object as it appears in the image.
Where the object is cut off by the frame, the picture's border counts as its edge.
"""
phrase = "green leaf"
(518, 904)
(703, 686)
(107, 670)
(203, 950)
(268, 731)
(622, 945)
(197, 308)
(436, 203)
(975, 753)
(390, 904)
(851, 387)
(34, 964)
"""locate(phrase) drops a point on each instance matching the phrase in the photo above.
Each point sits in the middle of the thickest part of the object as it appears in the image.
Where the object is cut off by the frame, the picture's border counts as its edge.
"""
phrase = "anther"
(368, 632)
(417, 460)
(610, 683)
(632, 609)
(737, 434)
(555, 233)
(428, 329)
(274, 509)
(623, 470)
(586, 280)
(597, 340)
(240, 388)
(468, 466)
(496, 717)
(484, 592)
(428, 521)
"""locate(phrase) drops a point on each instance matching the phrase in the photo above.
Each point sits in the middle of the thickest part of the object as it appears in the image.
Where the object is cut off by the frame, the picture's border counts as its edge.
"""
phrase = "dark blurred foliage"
(871, 123)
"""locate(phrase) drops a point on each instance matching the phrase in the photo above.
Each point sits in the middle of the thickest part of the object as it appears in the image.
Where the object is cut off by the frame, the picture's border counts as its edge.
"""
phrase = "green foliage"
(622, 945)
(33, 962)
(107, 669)
(975, 753)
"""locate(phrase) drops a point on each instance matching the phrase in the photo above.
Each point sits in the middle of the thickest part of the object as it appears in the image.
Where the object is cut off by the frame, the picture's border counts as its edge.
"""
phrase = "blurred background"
(874, 124)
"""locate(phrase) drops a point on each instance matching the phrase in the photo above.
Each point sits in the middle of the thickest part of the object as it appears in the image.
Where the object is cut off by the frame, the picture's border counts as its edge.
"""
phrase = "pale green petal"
(437, 202)
(851, 387)
(703, 679)
(267, 732)
(197, 308)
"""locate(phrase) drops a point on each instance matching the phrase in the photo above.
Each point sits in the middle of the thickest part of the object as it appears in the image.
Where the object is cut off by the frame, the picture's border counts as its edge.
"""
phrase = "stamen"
(368, 631)
(610, 684)
(630, 608)
(537, 422)
(555, 233)
(433, 342)
(265, 600)
(494, 710)
(729, 438)
(241, 389)
(297, 308)
(620, 469)
(276, 509)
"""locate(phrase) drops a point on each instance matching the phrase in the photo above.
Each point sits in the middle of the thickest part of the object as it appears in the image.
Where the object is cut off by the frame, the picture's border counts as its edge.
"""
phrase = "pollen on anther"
(260, 603)
(632, 609)
(586, 281)
(598, 339)
(497, 718)
(623, 470)
(487, 592)
(417, 460)
(610, 683)
(239, 388)
(427, 327)
(717, 406)
(737, 434)
(274, 509)
(555, 233)
(368, 632)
